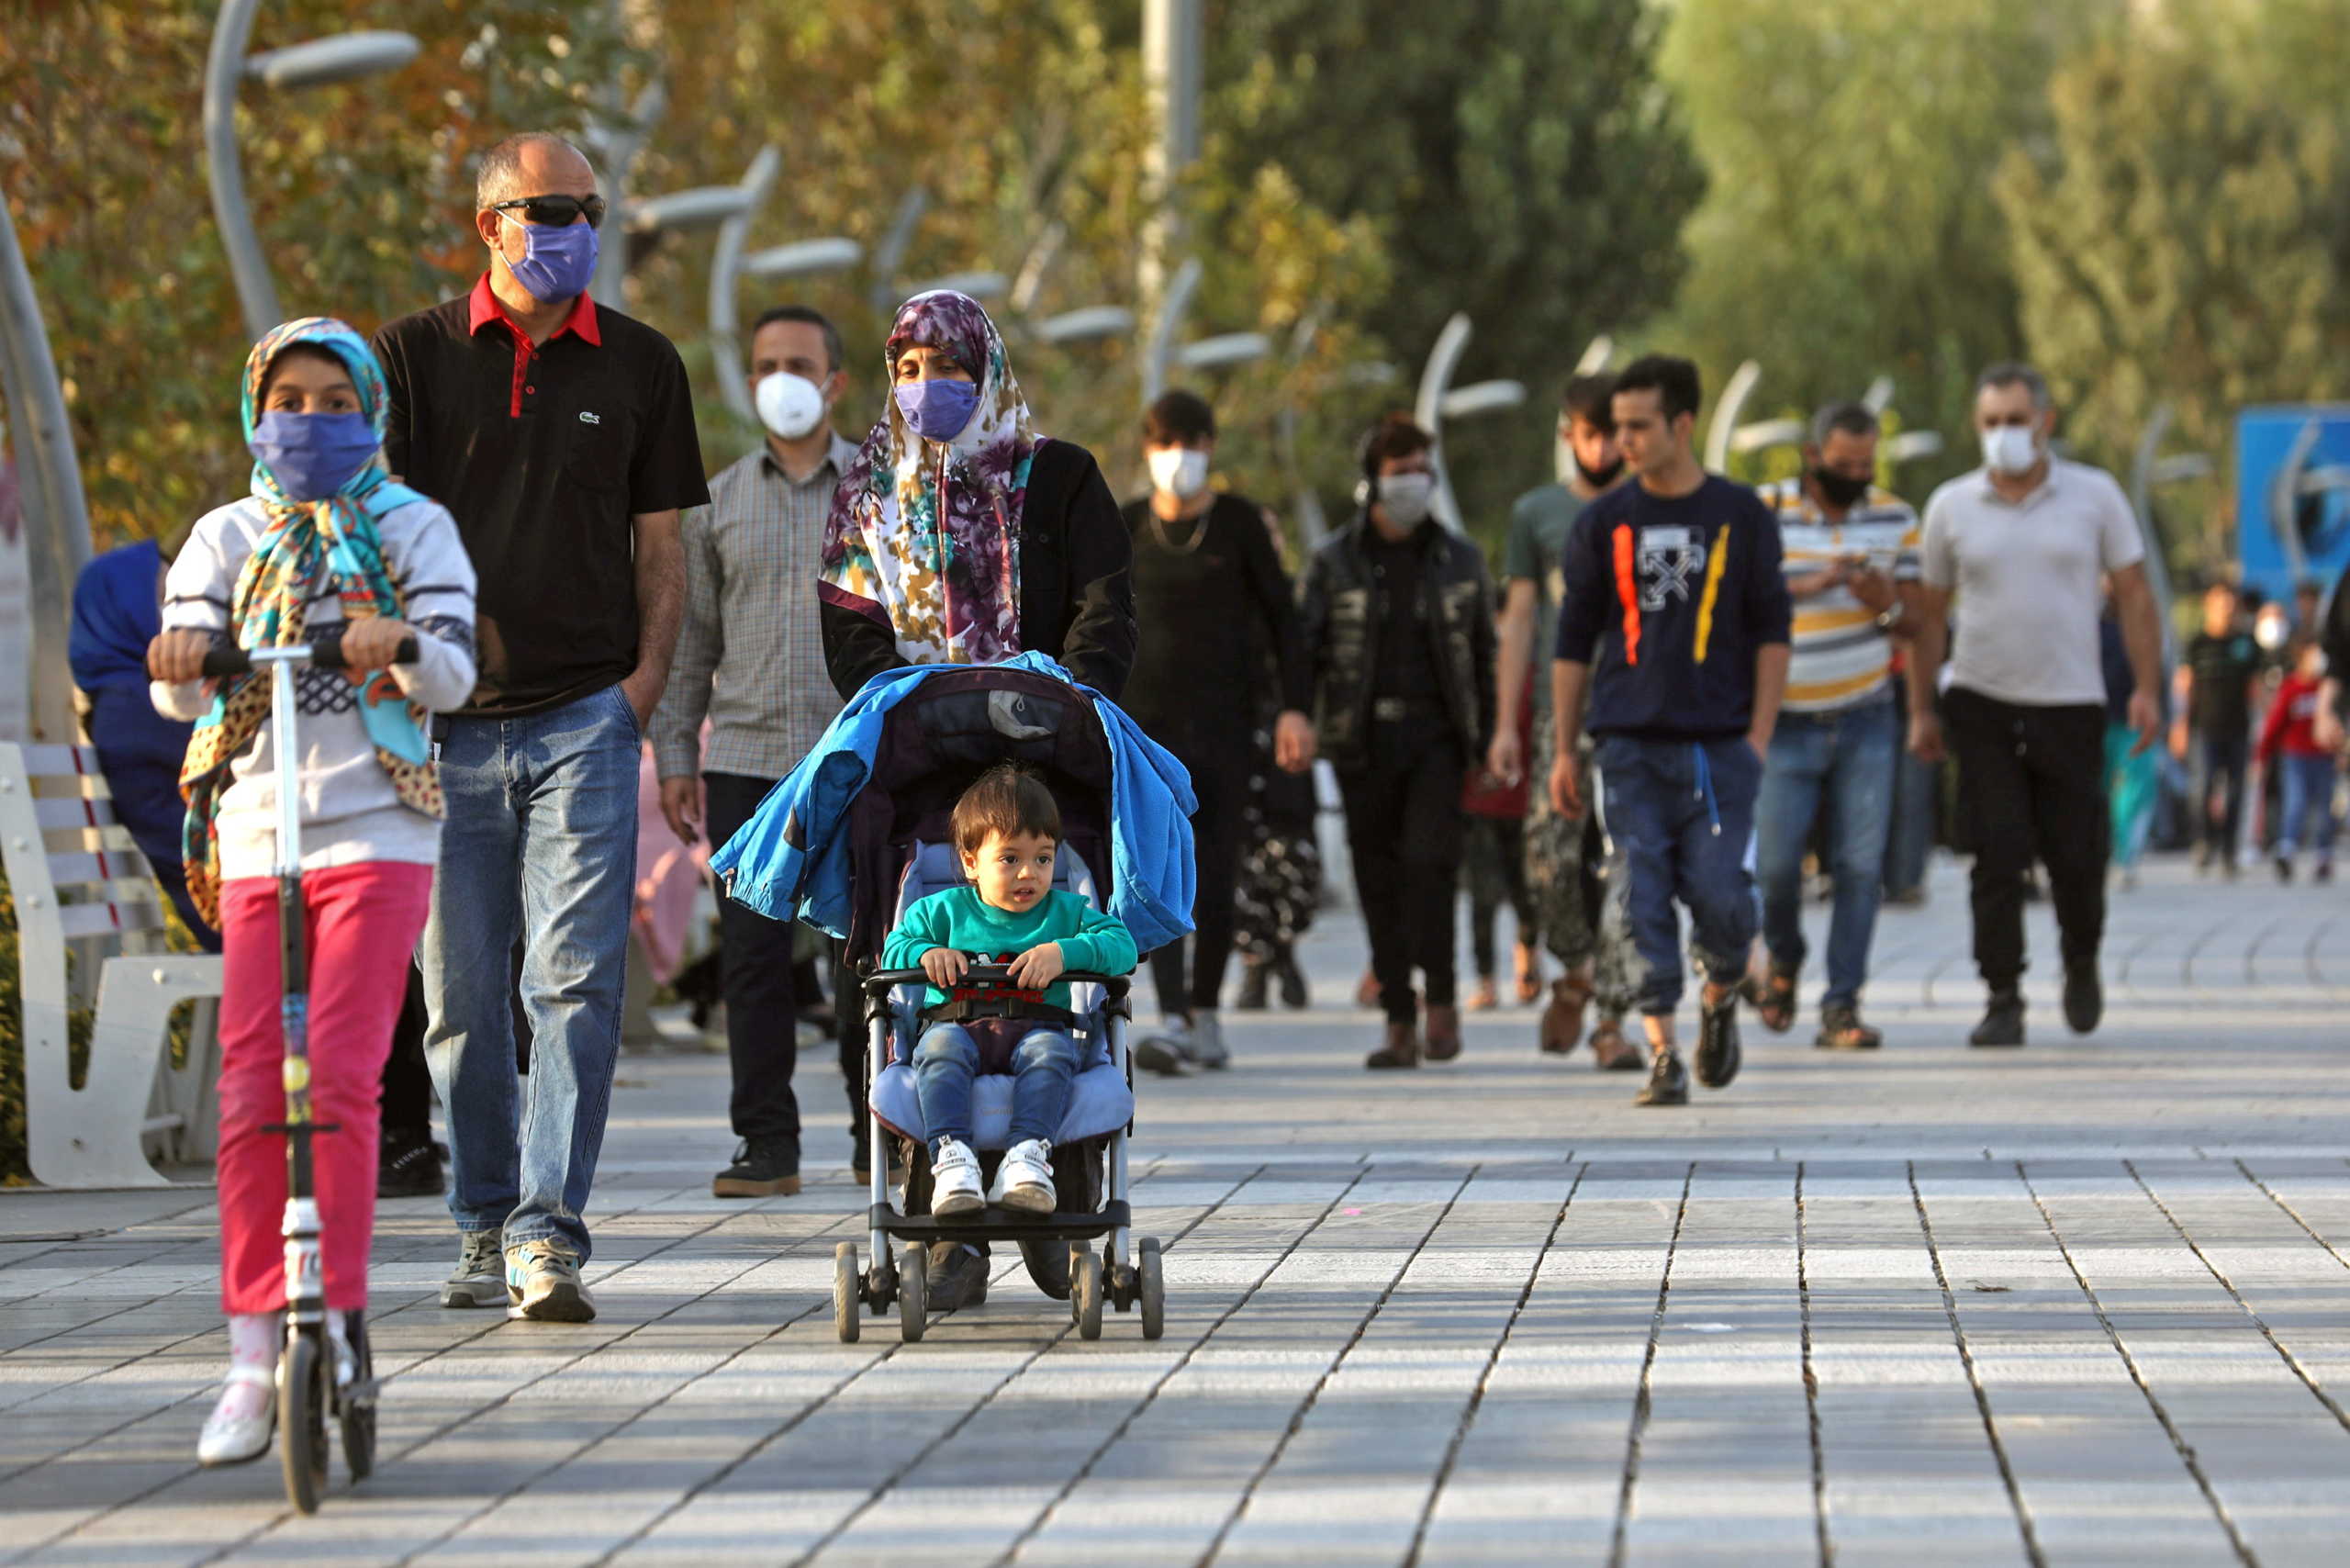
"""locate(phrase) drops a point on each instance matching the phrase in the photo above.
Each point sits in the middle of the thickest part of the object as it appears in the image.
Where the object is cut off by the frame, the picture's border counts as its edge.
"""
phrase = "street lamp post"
(312, 65)
(616, 150)
(1724, 421)
(56, 517)
(804, 258)
(725, 269)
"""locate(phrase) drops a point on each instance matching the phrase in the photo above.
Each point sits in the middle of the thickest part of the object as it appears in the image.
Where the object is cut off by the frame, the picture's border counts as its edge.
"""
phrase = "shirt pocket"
(596, 449)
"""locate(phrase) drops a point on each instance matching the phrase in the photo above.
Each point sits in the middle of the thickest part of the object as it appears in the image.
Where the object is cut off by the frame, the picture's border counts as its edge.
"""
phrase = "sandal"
(1529, 975)
(1772, 997)
(1562, 1024)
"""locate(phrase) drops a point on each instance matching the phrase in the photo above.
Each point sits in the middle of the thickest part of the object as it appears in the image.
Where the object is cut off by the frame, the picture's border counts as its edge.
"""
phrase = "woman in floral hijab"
(962, 536)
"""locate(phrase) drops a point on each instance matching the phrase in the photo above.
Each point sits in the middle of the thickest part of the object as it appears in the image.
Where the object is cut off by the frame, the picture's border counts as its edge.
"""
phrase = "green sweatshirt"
(961, 919)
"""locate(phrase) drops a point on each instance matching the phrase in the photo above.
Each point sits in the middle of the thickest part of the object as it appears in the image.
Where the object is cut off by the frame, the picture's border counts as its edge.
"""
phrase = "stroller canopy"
(829, 842)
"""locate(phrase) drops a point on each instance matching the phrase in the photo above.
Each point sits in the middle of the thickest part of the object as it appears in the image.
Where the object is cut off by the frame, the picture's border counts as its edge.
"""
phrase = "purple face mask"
(938, 409)
(557, 263)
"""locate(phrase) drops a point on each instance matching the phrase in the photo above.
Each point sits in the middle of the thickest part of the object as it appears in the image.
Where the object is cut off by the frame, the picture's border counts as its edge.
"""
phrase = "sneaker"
(409, 1167)
(480, 1279)
(955, 1180)
(1295, 996)
(2283, 868)
(763, 1168)
(2002, 1021)
(2084, 997)
(1906, 898)
(1025, 1177)
(1667, 1082)
(1205, 1047)
(542, 1284)
(1164, 1050)
(2322, 872)
(1718, 1053)
(1841, 1029)
(959, 1276)
(242, 1420)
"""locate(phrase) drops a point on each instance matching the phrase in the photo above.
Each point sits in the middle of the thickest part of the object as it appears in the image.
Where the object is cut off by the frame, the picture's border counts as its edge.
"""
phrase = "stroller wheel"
(302, 1421)
(1085, 1293)
(848, 1293)
(1151, 1282)
(913, 1295)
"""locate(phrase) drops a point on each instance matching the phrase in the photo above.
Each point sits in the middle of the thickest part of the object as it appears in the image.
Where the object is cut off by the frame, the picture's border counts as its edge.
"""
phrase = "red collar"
(484, 308)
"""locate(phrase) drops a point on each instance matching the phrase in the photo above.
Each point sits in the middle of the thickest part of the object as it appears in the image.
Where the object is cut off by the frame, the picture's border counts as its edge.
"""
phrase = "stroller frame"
(902, 1279)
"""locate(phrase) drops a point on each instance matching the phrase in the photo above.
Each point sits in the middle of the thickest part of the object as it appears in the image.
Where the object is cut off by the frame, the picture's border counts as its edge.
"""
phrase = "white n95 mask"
(792, 405)
(2009, 449)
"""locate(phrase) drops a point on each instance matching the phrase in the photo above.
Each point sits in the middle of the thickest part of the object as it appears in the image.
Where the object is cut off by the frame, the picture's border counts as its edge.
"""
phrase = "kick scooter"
(309, 1387)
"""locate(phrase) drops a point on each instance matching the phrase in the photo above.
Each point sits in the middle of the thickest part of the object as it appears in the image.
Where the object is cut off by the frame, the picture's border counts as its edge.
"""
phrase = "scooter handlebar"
(326, 652)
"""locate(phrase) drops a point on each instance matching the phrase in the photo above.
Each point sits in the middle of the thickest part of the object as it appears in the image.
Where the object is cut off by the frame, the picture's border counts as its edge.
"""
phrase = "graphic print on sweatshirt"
(1671, 561)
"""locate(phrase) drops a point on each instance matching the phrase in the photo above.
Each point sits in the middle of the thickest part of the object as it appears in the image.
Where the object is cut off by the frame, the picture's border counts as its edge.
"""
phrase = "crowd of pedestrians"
(1685, 692)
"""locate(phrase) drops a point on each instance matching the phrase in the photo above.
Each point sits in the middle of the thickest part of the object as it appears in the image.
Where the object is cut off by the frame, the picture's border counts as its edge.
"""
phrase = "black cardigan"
(1075, 603)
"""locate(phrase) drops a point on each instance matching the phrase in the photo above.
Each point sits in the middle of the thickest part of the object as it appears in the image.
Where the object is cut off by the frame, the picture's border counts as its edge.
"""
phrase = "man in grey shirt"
(750, 659)
(2024, 542)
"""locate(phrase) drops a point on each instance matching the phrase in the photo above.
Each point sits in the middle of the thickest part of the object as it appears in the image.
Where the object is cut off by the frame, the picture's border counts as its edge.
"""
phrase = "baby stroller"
(934, 741)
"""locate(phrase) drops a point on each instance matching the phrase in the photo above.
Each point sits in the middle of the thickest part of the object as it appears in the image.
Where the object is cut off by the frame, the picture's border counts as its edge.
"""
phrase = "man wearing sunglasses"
(561, 435)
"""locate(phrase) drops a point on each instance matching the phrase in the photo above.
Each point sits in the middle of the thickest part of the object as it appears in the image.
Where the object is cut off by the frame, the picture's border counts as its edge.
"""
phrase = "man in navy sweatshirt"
(1675, 620)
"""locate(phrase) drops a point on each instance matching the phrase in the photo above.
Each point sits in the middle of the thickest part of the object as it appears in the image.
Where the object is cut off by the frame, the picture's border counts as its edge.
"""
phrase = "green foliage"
(1847, 229)
(1519, 160)
(13, 1169)
(2181, 238)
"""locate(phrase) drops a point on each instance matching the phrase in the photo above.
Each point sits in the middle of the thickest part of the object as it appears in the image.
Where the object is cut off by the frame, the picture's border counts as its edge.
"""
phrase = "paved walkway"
(2087, 1302)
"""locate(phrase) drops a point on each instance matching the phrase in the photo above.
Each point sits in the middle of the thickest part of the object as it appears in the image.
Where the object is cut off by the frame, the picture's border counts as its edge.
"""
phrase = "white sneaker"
(955, 1180)
(241, 1422)
(1206, 1047)
(1026, 1176)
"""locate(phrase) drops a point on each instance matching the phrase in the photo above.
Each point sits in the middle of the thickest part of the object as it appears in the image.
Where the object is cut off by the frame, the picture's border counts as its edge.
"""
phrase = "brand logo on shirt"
(588, 419)
(1669, 556)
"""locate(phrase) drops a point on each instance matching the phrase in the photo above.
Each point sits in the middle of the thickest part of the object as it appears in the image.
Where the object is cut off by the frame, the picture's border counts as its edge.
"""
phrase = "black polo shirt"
(543, 454)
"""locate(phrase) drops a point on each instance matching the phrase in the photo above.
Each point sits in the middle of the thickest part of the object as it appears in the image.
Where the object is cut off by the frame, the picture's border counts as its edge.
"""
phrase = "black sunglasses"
(555, 211)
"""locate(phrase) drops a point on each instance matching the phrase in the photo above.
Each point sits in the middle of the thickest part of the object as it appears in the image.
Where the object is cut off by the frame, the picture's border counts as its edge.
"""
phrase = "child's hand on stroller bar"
(944, 965)
(1038, 967)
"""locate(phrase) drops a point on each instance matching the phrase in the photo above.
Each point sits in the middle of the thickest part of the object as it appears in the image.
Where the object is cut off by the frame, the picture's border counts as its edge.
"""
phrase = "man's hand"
(1038, 967)
(1566, 786)
(1292, 742)
(2325, 729)
(643, 689)
(1926, 736)
(1759, 742)
(682, 805)
(178, 656)
(1872, 588)
(944, 965)
(2146, 718)
(1505, 759)
(2178, 739)
(371, 643)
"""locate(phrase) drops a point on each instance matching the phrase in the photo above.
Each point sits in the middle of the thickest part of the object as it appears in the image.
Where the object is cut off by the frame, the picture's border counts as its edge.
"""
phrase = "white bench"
(80, 886)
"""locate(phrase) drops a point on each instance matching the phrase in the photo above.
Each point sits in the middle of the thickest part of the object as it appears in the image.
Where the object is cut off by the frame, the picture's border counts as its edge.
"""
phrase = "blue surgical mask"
(938, 409)
(312, 456)
(557, 263)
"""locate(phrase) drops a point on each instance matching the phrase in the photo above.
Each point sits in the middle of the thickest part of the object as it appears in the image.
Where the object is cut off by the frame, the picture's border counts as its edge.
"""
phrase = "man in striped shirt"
(750, 659)
(1852, 565)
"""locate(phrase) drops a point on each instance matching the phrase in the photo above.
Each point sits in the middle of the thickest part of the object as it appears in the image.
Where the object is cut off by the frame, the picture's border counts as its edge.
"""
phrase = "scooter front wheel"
(302, 1421)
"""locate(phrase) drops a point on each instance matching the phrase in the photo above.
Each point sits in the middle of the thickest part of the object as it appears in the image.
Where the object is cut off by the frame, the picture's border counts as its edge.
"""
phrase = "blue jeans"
(2309, 787)
(1917, 796)
(1044, 1067)
(1682, 813)
(539, 845)
(1844, 762)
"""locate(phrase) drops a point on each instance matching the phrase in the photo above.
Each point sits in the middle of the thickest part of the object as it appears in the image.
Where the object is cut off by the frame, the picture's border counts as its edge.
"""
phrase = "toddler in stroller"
(863, 840)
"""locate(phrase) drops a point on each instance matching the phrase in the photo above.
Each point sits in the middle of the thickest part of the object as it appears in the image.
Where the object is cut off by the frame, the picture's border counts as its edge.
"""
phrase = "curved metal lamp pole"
(1725, 421)
(56, 517)
(1158, 352)
(1427, 409)
(312, 65)
(890, 254)
(617, 150)
(725, 271)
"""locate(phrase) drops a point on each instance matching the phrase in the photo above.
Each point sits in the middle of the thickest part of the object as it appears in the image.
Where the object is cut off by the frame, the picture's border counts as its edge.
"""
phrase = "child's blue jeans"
(1044, 1068)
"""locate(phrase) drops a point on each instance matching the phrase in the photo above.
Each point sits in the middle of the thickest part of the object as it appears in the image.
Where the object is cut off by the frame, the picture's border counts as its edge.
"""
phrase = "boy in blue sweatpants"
(1675, 620)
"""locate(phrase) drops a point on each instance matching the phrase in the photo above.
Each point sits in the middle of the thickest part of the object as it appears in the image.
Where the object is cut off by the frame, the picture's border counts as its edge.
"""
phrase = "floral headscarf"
(306, 542)
(924, 536)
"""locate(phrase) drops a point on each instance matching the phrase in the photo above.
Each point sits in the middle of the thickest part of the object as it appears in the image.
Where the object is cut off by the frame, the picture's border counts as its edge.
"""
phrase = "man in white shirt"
(2024, 541)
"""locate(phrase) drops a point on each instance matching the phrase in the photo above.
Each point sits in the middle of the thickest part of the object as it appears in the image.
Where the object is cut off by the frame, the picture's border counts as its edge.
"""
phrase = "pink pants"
(363, 920)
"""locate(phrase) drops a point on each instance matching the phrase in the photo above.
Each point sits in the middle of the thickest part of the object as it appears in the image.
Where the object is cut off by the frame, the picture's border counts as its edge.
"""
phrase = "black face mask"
(1600, 478)
(1836, 490)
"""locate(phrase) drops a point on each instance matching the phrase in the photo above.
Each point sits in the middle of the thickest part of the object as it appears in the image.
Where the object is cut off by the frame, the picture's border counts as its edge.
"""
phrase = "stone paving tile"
(2082, 1304)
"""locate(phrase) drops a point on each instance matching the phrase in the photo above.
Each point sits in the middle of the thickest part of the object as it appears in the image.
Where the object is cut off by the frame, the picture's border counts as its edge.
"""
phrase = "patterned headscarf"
(923, 535)
(332, 540)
